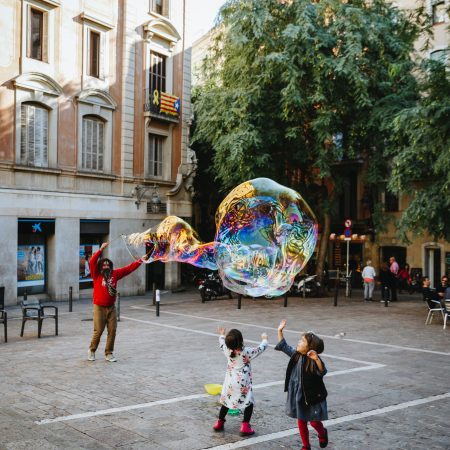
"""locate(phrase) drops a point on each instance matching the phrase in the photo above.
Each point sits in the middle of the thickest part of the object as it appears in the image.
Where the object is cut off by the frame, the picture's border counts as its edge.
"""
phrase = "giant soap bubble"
(265, 235)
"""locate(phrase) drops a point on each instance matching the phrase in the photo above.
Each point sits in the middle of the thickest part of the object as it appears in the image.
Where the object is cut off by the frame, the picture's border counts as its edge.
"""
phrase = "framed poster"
(30, 265)
(86, 251)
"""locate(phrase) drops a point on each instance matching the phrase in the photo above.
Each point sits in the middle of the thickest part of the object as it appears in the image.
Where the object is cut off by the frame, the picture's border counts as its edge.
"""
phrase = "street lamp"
(139, 192)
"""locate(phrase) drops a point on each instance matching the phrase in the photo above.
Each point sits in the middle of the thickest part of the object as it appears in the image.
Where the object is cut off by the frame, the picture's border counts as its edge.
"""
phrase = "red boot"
(246, 429)
(219, 425)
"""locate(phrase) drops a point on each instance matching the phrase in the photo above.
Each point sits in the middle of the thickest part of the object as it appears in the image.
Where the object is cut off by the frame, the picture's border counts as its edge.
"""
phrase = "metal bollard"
(154, 294)
(285, 299)
(336, 292)
(118, 307)
(158, 301)
(386, 296)
(25, 294)
(239, 301)
(70, 299)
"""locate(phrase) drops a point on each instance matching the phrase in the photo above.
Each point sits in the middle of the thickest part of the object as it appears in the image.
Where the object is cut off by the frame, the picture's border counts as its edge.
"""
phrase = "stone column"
(8, 265)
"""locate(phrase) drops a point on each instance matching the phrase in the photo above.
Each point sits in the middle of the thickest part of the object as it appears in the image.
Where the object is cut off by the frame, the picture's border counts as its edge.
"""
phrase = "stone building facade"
(94, 128)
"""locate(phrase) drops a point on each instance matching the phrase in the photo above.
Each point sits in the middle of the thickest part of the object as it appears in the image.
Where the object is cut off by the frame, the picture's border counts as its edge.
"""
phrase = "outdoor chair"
(33, 309)
(3, 314)
(433, 307)
(445, 311)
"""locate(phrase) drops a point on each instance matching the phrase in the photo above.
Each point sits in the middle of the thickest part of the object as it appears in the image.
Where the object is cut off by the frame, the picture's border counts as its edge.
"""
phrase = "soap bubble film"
(265, 235)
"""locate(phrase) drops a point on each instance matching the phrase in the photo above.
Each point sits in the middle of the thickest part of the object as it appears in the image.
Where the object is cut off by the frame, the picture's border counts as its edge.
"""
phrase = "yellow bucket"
(213, 389)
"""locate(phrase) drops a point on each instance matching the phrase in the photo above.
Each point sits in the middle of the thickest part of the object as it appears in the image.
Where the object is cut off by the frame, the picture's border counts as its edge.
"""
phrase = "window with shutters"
(155, 157)
(92, 152)
(439, 12)
(157, 72)
(34, 135)
(37, 35)
(94, 54)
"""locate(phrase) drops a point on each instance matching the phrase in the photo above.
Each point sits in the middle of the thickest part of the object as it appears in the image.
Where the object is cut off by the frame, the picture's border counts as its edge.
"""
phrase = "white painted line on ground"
(208, 333)
(120, 409)
(358, 341)
(350, 418)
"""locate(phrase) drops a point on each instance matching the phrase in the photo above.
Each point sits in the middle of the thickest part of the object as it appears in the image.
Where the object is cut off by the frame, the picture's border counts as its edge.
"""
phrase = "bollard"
(336, 292)
(118, 307)
(386, 296)
(158, 300)
(239, 301)
(70, 299)
(285, 299)
(25, 295)
(154, 293)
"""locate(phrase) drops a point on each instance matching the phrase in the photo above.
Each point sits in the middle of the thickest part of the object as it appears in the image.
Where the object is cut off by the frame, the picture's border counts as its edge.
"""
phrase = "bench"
(33, 309)
(3, 314)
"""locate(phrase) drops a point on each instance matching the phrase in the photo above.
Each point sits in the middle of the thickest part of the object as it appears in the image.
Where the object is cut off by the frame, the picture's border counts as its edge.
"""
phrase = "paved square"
(388, 380)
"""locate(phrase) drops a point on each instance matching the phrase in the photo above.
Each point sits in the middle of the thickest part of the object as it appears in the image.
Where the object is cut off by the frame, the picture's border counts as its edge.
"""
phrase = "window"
(94, 54)
(157, 72)
(439, 12)
(37, 35)
(34, 135)
(92, 144)
(157, 6)
(155, 162)
(390, 202)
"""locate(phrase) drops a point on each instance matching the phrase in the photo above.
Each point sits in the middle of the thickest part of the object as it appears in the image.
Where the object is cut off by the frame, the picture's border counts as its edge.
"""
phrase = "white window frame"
(40, 137)
(47, 64)
(166, 152)
(92, 24)
(97, 128)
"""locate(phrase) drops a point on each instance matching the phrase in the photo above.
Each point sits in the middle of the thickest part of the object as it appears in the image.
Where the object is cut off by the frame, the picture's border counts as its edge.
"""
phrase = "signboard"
(86, 251)
(348, 223)
(348, 232)
(30, 265)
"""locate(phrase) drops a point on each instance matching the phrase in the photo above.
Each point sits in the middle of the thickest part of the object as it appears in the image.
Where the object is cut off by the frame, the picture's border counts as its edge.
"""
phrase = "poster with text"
(30, 265)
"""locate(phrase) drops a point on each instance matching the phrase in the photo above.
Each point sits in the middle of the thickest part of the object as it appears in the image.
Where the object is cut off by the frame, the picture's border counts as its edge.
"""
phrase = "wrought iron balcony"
(162, 105)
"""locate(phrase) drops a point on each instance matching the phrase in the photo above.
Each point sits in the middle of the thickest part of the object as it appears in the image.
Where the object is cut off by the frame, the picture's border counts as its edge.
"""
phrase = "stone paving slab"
(377, 358)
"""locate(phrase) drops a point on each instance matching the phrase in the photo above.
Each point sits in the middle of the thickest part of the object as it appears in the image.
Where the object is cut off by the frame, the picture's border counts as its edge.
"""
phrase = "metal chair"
(445, 311)
(3, 314)
(433, 307)
(33, 309)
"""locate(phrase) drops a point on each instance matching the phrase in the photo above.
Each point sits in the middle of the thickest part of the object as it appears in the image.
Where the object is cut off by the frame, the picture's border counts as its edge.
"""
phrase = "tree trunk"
(323, 248)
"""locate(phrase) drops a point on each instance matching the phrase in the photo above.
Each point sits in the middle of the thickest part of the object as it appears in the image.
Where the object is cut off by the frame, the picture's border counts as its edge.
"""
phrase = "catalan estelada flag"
(169, 104)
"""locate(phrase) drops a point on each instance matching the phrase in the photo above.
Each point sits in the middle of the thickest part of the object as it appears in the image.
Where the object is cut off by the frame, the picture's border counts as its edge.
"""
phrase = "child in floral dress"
(237, 392)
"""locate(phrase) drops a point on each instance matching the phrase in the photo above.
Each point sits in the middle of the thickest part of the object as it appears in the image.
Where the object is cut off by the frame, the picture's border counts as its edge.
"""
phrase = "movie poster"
(30, 265)
(86, 251)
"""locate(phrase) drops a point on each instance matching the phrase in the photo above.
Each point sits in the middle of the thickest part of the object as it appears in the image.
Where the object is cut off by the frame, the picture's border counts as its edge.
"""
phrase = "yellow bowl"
(213, 389)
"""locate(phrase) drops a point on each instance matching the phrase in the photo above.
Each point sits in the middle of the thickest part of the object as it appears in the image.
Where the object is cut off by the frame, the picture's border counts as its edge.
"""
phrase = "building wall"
(62, 193)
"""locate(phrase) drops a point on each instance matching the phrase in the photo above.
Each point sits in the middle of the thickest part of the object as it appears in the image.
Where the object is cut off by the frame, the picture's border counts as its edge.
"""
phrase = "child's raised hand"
(264, 336)
(313, 355)
(221, 330)
(282, 325)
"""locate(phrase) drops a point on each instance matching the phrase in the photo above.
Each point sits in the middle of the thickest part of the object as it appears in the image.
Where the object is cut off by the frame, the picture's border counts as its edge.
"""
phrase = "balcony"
(161, 105)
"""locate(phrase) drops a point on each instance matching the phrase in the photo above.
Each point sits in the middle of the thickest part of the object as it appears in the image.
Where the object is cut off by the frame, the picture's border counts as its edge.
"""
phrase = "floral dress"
(237, 392)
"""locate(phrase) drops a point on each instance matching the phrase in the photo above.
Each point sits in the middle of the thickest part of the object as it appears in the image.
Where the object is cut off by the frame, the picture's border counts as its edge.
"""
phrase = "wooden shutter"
(34, 136)
(165, 8)
(92, 144)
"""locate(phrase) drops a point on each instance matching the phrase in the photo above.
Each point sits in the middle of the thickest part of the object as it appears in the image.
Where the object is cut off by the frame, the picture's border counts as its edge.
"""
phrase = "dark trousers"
(247, 413)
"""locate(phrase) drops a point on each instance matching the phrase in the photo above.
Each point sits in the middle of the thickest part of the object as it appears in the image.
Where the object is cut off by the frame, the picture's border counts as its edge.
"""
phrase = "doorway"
(154, 273)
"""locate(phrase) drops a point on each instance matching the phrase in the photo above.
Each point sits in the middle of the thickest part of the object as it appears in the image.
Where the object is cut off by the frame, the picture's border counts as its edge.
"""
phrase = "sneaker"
(91, 355)
(110, 358)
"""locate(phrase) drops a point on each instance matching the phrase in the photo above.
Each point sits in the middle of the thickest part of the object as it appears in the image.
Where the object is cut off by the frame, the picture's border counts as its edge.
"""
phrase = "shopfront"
(34, 236)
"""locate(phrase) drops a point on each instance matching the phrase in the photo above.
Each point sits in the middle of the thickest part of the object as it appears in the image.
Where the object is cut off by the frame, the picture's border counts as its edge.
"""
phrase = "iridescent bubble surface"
(265, 235)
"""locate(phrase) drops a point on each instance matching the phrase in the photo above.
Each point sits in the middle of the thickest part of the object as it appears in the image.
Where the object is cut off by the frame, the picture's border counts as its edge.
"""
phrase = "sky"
(200, 15)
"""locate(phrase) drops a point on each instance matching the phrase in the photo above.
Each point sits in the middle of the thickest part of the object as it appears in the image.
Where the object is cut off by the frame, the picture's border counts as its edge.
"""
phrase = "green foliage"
(421, 156)
(284, 78)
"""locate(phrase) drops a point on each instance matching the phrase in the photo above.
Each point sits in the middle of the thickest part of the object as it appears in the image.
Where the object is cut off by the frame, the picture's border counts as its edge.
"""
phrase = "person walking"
(237, 391)
(105, 278)
(368, 275)
(306, 398)
(394, 268)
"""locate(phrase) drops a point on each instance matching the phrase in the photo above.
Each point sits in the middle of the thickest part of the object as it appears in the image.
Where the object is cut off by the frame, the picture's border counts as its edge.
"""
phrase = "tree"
(294, 88)
(421, 156)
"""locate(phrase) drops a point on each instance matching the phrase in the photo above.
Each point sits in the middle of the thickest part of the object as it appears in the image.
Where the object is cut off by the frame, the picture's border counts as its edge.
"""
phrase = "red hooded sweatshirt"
(101, 294)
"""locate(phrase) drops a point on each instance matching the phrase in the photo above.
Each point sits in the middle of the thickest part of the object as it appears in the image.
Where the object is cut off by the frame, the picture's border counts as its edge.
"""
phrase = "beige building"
(94, 119)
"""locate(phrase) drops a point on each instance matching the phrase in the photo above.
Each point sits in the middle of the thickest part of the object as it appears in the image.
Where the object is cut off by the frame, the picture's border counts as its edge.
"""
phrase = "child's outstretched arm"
(282, 345)
(222, 345)
(254, 352)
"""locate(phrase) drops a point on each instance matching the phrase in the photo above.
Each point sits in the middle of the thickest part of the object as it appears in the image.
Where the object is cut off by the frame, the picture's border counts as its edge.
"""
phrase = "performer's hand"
(145, 257)
(221, 331)
(282, 325)
(104, 245)
(313, 355)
